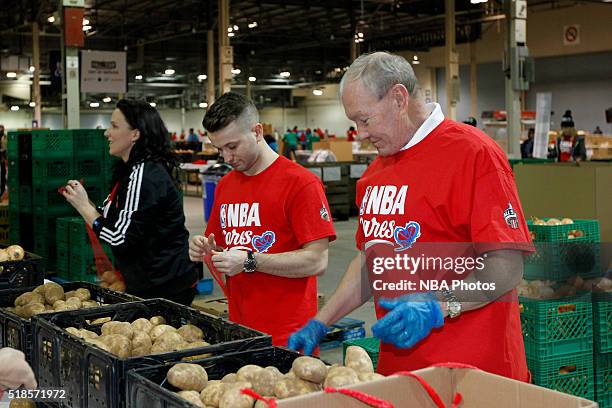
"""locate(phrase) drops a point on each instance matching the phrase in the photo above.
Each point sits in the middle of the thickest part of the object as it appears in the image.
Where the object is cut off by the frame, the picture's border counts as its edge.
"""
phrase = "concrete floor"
(340, 254)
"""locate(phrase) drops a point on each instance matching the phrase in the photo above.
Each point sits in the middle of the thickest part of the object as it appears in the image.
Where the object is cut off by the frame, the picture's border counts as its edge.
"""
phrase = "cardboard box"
(479, 389)
(216, 307)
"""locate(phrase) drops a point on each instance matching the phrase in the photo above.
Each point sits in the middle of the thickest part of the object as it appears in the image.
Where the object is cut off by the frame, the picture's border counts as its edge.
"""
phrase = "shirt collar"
(435, 118)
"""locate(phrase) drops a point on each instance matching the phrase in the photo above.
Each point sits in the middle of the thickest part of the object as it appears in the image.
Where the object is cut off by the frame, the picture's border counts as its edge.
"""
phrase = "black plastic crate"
(30, 271)
(147, 387)
(94, 378)
(16, 332)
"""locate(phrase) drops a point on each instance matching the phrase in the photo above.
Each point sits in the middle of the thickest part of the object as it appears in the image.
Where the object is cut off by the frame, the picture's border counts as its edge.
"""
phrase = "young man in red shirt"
(270, 225)
(441, 186)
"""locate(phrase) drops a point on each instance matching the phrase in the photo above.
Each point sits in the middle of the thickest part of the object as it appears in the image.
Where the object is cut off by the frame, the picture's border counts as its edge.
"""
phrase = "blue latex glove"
(410, 319)
(308, 337)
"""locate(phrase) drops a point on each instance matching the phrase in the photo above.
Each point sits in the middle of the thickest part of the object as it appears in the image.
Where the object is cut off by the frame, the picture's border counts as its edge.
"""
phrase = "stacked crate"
(4, 223)
(40, 162)
(559, 333)
(602, 358)
(335, 177)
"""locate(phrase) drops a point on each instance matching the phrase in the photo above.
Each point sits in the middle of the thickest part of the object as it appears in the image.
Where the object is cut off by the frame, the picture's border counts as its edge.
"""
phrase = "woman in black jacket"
(142, 219)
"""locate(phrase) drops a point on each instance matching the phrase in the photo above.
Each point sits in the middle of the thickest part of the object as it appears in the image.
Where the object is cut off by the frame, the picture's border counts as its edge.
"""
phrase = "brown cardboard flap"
(479, 389)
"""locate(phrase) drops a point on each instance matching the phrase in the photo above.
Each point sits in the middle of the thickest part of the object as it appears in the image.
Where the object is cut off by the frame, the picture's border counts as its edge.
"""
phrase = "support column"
(36, 77)
(210, 70)
(451, 61)
(73, 111)
(473, 81)
(226, 54)
(515, 53)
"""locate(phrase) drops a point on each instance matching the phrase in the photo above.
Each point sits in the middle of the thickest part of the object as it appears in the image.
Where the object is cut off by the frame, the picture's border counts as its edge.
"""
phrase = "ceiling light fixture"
(51, 19)
(11, 75)
(478, 1)
(285, 74)
(32, 68)
(138, 77)
(14, 108)
(94, 104)
(230, 29)
(230, 34)
(153, 104)
(253, 24)
(236, 28)
(32, 104)
(317, 92)
(252, 79)
(85, 21)
(203, 105)
(169, 71)
(106, 99)
(236, 71)
(202, 77)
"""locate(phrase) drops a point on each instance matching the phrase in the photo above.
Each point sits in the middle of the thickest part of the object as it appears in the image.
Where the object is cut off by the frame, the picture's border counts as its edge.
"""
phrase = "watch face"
(454, 308)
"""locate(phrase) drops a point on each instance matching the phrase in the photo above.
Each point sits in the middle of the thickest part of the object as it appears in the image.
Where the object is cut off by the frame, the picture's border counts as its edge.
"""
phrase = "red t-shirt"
(278, 210)
(455, 186)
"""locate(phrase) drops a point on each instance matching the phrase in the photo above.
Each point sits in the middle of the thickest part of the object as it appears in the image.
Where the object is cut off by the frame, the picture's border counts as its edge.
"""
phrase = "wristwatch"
(250, 264)
(453, 306)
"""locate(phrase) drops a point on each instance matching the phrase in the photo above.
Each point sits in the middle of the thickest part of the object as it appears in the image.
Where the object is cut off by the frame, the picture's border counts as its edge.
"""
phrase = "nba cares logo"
(263, 242)
(407, 235)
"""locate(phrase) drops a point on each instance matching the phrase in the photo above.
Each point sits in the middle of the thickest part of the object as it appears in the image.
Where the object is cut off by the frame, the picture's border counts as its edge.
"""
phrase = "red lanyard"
(112, 194)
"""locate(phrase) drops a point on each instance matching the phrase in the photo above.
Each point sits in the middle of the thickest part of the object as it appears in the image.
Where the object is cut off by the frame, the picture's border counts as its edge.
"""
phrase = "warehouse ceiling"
(308, 38)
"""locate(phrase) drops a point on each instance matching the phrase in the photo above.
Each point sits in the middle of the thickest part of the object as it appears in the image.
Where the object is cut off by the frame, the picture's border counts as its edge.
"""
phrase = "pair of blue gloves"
(410, 319)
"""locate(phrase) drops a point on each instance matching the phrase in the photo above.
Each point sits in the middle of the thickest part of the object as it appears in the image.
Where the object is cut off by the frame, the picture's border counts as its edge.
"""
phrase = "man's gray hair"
(379, 72)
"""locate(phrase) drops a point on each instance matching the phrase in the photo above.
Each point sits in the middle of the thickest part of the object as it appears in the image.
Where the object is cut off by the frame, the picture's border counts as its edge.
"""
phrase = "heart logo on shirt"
(263, 242)
(406, 236)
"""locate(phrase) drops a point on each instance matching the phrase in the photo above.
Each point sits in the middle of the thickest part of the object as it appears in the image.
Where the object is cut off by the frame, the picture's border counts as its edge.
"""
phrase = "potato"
(82, 293)
(89, 303)
(87, 334)
(142, 325)
(53, 292)
(229, 378)
(264, 381)
(358, 359)
(233, 398)
(15, 252)
(99, 343)
(60, 306)
(119, 345)
(159, 330)
(101, 320)
(141, 344)
(309, 369)
(4, 256)
(168, 341)
(340, 377)
(188, 377)
(248, 372)
(114, 327)
(157, 320)
(291, 387)
(211, 395)
(365, 377)
(73, 303)
(191, 333)
(195, 344)
(73, 330)
(29, 297)
(30, 310)
(191, 396)
(40, 289)
(291, 375)
(21, 403)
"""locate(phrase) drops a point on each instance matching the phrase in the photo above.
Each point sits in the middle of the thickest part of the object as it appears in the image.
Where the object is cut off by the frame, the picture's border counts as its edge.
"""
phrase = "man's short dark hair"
(228, 108)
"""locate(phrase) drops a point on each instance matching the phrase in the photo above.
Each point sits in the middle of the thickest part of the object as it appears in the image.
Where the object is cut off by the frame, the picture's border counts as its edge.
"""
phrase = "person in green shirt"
(290, 141)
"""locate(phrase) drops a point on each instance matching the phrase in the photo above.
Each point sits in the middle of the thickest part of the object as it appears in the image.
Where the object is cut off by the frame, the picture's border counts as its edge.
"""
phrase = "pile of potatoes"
(538, 289)
(49, 298)
(307, 375)
(142, 337)
(571, 234)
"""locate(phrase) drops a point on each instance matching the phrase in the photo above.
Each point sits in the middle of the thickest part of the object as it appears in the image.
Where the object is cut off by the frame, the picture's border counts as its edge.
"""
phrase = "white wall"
(174, 121)
(14, 120)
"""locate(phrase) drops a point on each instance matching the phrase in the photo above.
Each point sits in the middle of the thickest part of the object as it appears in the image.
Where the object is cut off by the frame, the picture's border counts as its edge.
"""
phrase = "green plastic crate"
(89, 167)
(560, 233)
(25, 199)
(558, 261)
(557, 327)
(88, 142)
(57, 144)
(48, 196)
(571, 374)
(83, 270)
(47, 168)
(62, 230)
(12, 176)
(370, 344)
(13, 145)
(62, 263)
(602, 322)
(603, 379)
